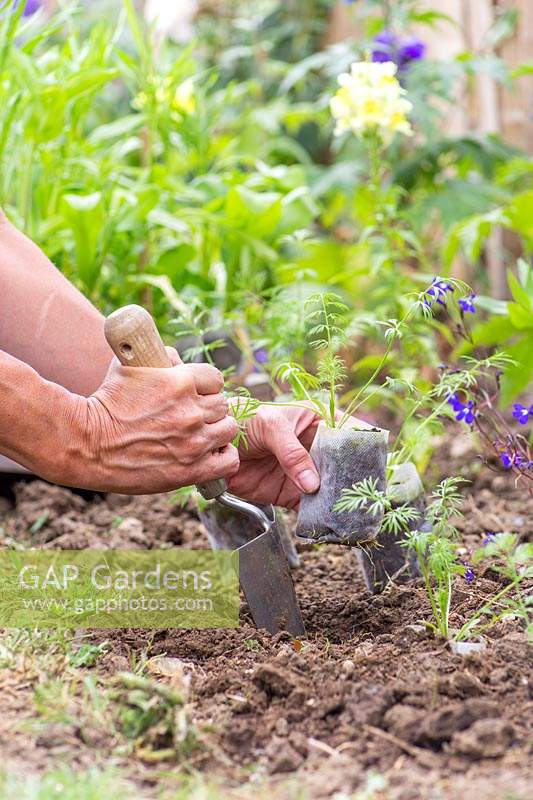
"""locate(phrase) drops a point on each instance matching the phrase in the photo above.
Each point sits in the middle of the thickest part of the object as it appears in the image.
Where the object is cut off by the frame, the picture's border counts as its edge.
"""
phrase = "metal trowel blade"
(267, 584)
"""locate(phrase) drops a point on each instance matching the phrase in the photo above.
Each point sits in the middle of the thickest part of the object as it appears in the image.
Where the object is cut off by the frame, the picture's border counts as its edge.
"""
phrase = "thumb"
(174, 356)
(295, 461)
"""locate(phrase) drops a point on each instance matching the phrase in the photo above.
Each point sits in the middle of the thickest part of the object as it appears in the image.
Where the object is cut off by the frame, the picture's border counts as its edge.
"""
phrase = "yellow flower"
(184, 100)
(370, 99)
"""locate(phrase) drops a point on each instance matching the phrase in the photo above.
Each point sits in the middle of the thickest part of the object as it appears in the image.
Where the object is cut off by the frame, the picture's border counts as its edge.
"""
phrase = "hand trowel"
(264, 572)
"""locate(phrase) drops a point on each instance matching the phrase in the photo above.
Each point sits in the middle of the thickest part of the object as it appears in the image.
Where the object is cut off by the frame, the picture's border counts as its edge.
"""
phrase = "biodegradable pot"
(227, 529)
(388, 560)
(343, 456)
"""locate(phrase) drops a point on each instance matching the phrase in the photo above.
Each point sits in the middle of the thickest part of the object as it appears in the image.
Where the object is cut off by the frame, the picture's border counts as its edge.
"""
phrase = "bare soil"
(370, 690)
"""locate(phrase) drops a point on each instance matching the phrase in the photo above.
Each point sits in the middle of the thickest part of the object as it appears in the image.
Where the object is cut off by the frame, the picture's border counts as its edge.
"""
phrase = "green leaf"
(522, 70)
(520, 216)
(114, 130)
(495, 331)
(86, 217)
(525, 275)
(163, 283)
(517, 377)
(521, 318)
(518, 292)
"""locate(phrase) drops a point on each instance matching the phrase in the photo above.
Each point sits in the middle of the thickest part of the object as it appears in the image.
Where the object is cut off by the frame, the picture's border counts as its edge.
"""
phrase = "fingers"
(221, 433)
(223, 464)
(208, 379)
(174, 356)
(214, 406)
(294, 459)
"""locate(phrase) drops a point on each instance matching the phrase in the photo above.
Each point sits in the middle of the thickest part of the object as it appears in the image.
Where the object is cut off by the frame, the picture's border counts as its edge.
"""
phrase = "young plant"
(324, 315)
(513, 561)
(434, 544)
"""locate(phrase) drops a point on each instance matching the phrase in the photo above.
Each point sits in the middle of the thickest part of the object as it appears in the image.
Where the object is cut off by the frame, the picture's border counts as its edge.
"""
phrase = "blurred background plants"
(187, 159)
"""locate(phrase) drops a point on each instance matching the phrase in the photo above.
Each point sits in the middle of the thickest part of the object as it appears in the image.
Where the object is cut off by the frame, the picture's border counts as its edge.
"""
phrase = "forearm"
(44, 320)
(36, 421)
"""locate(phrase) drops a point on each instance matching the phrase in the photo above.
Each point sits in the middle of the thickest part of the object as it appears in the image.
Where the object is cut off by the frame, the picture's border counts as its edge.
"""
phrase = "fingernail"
(308, 481)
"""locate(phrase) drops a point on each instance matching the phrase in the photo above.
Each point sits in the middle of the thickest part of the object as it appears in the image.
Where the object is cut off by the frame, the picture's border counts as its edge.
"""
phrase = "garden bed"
(369, 691)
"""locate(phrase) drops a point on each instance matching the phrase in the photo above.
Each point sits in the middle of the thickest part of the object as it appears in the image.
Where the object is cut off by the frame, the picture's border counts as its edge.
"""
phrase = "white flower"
(370, 99)
(173, 18)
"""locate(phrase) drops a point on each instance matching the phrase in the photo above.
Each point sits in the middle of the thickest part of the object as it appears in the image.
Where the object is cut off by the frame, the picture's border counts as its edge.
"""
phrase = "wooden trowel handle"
(133, 337)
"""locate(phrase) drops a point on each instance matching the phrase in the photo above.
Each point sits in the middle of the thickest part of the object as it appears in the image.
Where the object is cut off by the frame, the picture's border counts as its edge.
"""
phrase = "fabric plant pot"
(343, 456)
(388, 559)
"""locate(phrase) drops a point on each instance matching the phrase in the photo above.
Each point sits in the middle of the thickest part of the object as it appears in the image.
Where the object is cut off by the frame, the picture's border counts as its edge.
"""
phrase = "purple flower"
(507, 460)
(30, 6)
(411, 49)
(261, 355)
(469, 574)
(522, 413)
(464, 412)
(454, 401)
(386, 46)
(467, 304)
(489, 537)
(437, 292)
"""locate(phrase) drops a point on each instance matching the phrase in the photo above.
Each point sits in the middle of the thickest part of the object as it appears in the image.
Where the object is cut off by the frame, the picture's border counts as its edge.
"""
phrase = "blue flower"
(469, 575)
(489, 537)
(261, 355)
(507, 460)
(522, 413)
(454, 402)
(467, 304)
(386, 46)
(464, 412)
(30, 6)
(437, 292)
(411, 49)
(521, 462)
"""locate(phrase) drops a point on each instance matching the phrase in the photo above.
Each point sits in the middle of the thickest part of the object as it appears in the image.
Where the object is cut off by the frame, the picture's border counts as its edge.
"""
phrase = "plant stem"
(465, 629)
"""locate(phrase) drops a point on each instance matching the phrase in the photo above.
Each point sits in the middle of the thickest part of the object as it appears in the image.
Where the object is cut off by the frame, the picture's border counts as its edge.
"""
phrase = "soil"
(369, 690)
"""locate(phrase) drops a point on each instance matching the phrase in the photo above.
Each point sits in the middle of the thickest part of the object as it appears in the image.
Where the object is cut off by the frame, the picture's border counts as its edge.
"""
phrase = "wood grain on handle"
(133, 337)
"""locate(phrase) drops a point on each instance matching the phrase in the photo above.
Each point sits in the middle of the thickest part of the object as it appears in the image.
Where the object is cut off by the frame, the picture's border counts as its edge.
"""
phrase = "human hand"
(149, 430)
(275, 465)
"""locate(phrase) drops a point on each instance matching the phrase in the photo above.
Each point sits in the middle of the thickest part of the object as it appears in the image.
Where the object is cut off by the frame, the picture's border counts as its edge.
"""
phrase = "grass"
(68, 784)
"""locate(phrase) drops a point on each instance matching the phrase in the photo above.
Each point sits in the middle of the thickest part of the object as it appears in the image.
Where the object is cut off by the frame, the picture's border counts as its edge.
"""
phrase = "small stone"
(130, 528)
(467, 648)
(347, 667)
(415, 631)
(499, 483)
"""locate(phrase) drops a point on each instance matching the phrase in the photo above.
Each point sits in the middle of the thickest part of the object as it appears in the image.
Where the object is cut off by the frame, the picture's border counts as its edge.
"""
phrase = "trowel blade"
(267, 584)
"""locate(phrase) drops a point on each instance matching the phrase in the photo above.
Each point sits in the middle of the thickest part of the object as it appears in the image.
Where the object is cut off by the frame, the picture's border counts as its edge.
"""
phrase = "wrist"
(36, 422)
